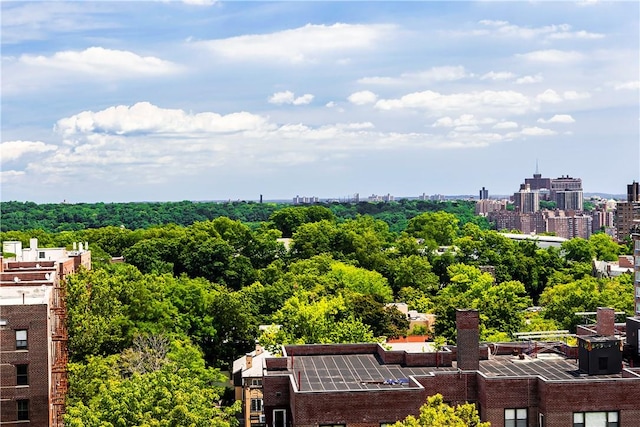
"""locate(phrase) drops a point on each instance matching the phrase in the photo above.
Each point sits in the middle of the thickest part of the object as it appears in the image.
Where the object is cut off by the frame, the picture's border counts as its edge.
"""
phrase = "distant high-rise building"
(538, 182)
(567, 193)
(633, 192)
(526, 201)
(484, 193)
(569, 200)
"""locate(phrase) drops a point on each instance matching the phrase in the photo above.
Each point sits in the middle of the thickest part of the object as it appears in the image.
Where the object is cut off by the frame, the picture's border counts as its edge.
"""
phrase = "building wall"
(33, 318)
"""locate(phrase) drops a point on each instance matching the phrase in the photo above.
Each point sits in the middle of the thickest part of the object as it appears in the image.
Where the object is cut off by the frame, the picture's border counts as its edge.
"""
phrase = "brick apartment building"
(516, 384)
(33, 337)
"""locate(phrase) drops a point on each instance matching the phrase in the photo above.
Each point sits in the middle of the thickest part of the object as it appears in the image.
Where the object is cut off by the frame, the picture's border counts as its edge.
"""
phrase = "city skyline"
(200, 100)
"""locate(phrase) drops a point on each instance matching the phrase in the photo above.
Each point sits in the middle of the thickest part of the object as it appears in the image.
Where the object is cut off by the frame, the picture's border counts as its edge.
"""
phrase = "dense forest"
(152, 339)
(20, 216)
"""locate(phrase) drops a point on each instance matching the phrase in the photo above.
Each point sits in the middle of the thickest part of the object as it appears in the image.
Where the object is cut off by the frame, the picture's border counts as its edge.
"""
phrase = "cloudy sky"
(200, 100)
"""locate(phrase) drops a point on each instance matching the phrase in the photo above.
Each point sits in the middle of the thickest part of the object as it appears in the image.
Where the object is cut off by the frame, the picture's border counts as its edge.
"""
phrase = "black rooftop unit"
(600, 355)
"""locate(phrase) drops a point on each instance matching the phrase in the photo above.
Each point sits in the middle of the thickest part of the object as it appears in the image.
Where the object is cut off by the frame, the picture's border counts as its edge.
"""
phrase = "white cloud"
(330, 104)
(536, 131)
(500, 75)
(631, 85)
(560, 31)
(102, 62)
(10, 175)
(572, 95)
(363, 97)
(505, 125)
(12, 150)
(288, 97)
(514, 102)
(446, 73)
(529, 79)
(464, 120)
(558, 118)
(301, 44)
(144, 117)
(552, 56)
(549, 96)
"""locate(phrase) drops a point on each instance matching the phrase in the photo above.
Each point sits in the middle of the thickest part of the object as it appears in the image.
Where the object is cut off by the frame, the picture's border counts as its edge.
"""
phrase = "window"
(22, 374)
(21, 339)
(515, 417)
(256, 405)
(23, 409)
(256, 382)
(41, 255)
(279, 418)
(595, 419)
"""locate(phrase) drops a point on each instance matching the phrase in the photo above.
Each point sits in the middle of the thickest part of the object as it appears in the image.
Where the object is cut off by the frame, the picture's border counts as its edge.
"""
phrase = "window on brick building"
(21, 339)
(256, 405)
(256, 382)
(279, 418)
(515, 417)
(23, 409)
(22, 374)
(595, 419)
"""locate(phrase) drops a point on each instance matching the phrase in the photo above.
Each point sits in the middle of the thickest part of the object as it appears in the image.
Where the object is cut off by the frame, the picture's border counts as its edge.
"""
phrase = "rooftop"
(350, 372)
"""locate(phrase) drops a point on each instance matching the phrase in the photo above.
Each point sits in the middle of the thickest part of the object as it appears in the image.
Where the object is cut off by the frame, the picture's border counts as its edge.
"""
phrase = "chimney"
(258, 349)
(249, 359)
(33, 243)
(605, 320)
(467, 323)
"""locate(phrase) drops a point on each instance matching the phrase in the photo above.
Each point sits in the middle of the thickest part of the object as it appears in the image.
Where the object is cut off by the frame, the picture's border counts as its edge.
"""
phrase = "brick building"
(33, 337)
(247, 382)
(515, 384)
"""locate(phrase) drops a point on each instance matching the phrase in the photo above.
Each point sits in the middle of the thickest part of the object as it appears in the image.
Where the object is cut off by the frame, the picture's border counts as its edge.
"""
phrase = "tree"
(436, 413)
(438, 228)
(606, 249)
(578, 249)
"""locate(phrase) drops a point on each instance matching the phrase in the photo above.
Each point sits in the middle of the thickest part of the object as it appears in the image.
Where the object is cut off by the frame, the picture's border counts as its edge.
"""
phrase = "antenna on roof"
(537, 172)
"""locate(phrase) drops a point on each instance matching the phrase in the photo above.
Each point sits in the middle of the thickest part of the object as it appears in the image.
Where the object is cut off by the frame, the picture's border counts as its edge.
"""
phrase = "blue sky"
(199, 100)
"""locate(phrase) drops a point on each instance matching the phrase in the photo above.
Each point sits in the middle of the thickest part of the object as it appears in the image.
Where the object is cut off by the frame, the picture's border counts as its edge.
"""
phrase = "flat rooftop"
(349, 372)
(25, 295)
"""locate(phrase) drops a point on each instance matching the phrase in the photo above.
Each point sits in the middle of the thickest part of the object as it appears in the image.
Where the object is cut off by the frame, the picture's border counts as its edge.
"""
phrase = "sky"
(210, 100)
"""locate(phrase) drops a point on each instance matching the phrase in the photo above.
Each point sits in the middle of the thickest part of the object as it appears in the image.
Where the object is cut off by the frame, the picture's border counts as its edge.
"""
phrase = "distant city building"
(484, 206)
(526, 200)
(385, 198)
(569, 200)
(484, 193)
(566, 224)
(538, 182)
(567, 193)
(305, 200)
(603, 220)
(627, 212)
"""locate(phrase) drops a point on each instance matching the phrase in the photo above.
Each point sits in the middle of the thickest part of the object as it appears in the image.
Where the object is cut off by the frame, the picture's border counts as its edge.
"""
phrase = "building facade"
(33, 336)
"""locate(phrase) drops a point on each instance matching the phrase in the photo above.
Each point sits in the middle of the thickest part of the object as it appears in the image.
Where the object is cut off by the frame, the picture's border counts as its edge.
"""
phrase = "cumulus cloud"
(552, 56)
(103, 62)
(536, 131)
(462, 121)
(500, 75)
(529, 79)
(513, 101)
(558, 118)
(10, 175)
(12, 150)
(363, 97)
(549, 96)
(301, 44)
(145, 117)
(288, 97)
(505, 125)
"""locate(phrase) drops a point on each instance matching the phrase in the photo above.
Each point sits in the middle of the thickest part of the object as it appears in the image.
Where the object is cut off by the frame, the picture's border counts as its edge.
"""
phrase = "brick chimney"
(605, 320)
(249, 360)
(467, 323)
